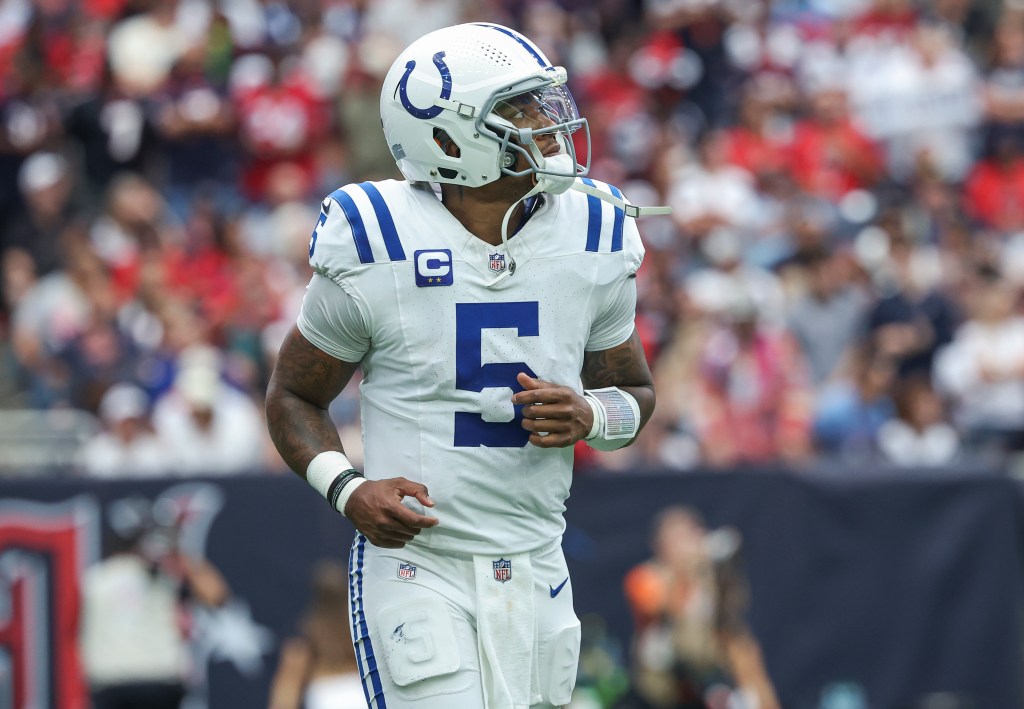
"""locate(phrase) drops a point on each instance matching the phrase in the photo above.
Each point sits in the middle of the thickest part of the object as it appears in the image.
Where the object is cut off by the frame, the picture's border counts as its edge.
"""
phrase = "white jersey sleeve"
(333, 321)
(614, 321)
(354, 232)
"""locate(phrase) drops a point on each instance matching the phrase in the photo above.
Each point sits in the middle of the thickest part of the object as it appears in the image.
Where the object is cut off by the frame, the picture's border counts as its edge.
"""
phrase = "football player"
(489, 300)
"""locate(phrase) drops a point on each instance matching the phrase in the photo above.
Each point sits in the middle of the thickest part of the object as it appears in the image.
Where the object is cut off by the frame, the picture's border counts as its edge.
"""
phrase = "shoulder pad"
(608, 230)
(355, 229)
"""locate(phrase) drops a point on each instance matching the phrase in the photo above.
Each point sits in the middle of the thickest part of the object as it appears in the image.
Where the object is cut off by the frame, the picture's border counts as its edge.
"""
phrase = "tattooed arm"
(624, 367)
(563, 416)
(305, 382)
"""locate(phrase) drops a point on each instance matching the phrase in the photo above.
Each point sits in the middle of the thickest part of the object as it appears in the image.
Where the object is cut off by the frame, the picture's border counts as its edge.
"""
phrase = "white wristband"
(598, 410)
(325, 469)
(616, 418)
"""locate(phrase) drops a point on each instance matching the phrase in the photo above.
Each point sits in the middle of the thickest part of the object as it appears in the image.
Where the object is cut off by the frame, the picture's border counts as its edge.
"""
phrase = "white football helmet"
(491, 92)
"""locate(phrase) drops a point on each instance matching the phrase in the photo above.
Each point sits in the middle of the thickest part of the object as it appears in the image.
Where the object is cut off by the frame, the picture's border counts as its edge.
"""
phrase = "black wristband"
(339, 483)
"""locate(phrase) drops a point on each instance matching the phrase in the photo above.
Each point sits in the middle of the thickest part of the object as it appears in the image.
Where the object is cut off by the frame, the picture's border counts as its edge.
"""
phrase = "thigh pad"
(420, 647)
(557, 662)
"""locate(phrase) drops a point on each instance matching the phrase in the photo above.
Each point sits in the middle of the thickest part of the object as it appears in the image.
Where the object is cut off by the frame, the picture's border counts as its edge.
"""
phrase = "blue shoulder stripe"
(593, 219)
(620, 217)
(355, 221)
(387, 224)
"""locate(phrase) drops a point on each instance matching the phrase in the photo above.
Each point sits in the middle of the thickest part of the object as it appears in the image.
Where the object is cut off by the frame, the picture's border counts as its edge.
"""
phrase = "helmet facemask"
(529, 121)
(535, 119)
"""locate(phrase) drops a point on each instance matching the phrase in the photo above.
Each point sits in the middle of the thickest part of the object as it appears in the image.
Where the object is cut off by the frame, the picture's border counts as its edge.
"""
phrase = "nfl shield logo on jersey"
(496, 262)
(406, 571)
(502, 570)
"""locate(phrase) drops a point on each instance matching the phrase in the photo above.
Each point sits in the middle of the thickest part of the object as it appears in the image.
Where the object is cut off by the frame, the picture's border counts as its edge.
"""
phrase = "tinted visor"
(537, 109)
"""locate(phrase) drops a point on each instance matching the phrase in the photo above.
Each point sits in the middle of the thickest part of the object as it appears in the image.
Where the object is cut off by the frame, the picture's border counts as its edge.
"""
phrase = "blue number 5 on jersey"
(471, 319)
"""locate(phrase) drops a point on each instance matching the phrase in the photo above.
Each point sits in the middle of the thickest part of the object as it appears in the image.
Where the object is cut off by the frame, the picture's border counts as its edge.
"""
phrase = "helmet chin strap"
(631, 210)
(504, 232)
(552, 184)
(557, 184)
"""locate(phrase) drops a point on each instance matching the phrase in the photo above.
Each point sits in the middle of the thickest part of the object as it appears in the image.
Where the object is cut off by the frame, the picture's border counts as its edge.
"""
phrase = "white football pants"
(441, 630)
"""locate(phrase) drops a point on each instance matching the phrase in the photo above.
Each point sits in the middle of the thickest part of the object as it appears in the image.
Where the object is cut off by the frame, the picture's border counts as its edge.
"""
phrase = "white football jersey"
(442, 323)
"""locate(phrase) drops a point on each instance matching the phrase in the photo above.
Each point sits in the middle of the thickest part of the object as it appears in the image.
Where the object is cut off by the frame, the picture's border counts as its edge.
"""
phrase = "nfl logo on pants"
(502, 570)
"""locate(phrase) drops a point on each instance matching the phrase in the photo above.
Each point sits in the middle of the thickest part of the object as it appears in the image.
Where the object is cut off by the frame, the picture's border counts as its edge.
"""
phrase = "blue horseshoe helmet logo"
(446, 88)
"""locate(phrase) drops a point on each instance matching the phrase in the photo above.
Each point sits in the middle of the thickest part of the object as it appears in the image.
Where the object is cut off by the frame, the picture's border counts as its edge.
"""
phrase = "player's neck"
(481, 211)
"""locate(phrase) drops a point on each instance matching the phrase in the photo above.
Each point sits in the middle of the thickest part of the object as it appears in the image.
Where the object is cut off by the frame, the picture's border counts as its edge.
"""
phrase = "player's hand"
(554, 410)
(376, 510)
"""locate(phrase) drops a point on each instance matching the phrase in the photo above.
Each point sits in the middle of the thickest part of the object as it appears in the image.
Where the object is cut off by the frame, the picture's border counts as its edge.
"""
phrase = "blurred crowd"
(840, 280)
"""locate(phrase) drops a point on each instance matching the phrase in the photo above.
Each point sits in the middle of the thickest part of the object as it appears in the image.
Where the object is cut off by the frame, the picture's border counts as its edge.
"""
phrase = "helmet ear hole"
(508, 159)
(448, 146)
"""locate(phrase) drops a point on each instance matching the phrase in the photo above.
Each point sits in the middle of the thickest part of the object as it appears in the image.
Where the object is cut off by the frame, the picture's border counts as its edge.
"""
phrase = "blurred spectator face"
(934, 195)
(743, 320)
(100, 345)
(678, 538)
(920, 406)
(133, 202)
(190, 63)
(953, 10)
(286, 182)
(199, 385)
(876, 376)
(330, 583)
(45, 182)
(754, 110)
(825, 275)
(714, 150)
(128, 429)
(182, 328)
(829, 105)
(1009, 45)
(932, 42)
(892, 7)
(995, 302)
(203, 229)
(18, 275)
(123, 410)
(202, 414)
(162, 10)
(1005, 150)
(89, 274)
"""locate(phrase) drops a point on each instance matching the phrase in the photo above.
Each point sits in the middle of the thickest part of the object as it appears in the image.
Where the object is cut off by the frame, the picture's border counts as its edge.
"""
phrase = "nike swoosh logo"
(557, 589)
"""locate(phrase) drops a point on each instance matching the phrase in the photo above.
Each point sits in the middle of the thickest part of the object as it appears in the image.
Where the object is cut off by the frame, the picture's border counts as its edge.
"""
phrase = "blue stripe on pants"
(363, 633)
(356, 639)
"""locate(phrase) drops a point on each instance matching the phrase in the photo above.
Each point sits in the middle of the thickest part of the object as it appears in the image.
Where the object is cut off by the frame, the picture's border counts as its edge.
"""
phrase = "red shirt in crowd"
(994, 194)
(280, 124)
(829, 160)
(755, 152)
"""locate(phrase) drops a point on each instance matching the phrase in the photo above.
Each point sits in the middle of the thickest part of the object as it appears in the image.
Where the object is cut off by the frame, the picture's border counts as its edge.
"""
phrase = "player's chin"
(516, 186)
